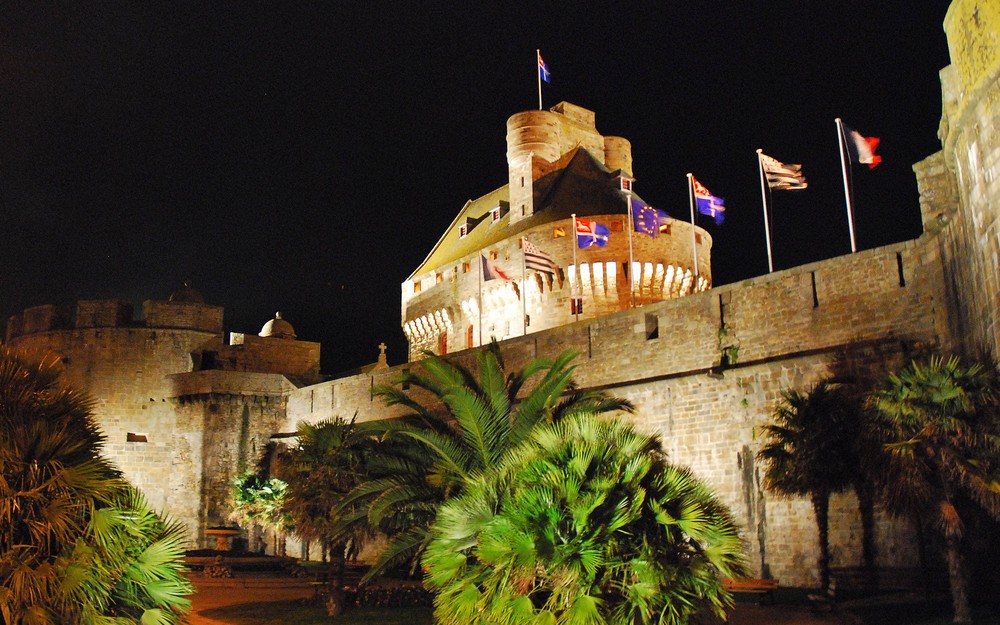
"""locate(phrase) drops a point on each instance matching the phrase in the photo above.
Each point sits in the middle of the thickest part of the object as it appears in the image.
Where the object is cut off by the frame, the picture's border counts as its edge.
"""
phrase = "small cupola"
(278, 328)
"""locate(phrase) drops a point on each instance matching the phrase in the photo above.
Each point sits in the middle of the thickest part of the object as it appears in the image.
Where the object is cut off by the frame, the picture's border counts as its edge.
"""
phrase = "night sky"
(305, 157)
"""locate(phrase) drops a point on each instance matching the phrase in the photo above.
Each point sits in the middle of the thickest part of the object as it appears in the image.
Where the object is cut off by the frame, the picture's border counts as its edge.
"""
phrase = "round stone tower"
(537, 140)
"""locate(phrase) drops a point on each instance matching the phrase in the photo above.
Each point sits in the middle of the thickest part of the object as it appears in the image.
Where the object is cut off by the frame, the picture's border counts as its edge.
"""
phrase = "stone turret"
(537, 139)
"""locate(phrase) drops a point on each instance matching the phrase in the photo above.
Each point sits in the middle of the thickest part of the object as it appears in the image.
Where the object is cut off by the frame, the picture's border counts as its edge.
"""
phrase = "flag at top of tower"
(590, 233)
(543, 69)
(708, 204)
(646, 219)
(780, 176)
(861, 148)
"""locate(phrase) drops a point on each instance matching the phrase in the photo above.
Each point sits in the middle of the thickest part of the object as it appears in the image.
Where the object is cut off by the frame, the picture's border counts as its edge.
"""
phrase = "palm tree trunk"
(335, 591)
(821, 506)
(958, 581)
(869, 550)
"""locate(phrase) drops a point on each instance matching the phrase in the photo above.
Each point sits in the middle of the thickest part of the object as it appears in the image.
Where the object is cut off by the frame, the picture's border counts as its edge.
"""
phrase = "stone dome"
(278, 328)
(186, 293)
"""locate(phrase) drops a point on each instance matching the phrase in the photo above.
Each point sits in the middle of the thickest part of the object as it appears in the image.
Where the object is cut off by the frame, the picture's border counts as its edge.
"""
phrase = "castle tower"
(959, 193)
(536, 140)
(475, 285)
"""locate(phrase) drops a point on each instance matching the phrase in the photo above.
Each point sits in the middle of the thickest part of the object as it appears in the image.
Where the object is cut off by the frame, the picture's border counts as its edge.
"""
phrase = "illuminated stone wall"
(970, 135)
(790, 327)
(664, 356)
(451, 307)
(125, 366)
(445, 306)
(179, 434)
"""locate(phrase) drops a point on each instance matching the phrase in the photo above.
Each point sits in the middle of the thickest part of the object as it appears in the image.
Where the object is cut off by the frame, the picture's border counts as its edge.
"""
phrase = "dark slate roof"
(578, 184)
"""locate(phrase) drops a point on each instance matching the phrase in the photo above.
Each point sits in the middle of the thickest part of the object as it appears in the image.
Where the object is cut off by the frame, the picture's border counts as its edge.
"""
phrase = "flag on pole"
(543, 69)
(491, 271)
(536, 259)
(590, 233)
(708, 204)
(782, 177)
(861, 148)
(646, 219)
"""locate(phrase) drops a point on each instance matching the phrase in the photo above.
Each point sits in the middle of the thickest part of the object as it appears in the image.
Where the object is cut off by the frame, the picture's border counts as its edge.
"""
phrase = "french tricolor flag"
(861, 148)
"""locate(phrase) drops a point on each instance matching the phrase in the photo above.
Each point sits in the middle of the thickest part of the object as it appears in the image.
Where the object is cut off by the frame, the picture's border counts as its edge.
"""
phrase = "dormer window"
(463, 230)
(626, 184)
(497, 212)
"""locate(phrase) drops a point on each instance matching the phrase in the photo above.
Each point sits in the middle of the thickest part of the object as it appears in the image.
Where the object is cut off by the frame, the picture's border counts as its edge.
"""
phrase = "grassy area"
(308, 613)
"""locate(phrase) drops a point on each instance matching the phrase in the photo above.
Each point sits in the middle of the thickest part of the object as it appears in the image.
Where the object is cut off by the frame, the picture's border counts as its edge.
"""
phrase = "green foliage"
(259, 500)
(940, 423)
(471, 422)
(585, 522)
(78, 544)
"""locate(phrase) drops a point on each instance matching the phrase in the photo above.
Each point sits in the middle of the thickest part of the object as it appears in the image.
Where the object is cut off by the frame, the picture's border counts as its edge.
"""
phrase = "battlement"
(115, 314)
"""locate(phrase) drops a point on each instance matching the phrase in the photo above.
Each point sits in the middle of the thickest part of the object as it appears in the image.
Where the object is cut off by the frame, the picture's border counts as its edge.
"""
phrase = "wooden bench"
(765, 587)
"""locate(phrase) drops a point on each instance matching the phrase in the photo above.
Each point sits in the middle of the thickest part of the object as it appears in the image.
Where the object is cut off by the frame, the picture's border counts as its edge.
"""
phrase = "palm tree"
(78, 544)
(470, 421)
(585, 522)
(324, 466)
(809, 450)
(941, 425)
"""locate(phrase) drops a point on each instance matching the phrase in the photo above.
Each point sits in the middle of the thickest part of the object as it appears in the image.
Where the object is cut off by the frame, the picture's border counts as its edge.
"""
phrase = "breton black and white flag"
(536, 259)
(782, 177)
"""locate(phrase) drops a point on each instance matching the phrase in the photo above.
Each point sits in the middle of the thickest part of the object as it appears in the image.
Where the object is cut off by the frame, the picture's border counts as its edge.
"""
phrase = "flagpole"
(576, 268)
(763, 201)
(631, 260)
(538, 75)
(847, 190)
(480, 263)
(524, 290)
(694, 240)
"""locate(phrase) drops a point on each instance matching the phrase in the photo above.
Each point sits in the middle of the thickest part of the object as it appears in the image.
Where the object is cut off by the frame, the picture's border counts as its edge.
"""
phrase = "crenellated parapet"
(87, 314)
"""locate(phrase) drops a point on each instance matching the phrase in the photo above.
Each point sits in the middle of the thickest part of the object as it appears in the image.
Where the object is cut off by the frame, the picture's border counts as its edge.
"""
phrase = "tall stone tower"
(960, 186)
(537, 139)
(476, 285)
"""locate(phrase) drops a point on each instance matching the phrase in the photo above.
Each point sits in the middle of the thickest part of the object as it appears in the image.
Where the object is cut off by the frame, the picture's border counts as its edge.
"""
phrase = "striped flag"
(536, 259)
(780, 176)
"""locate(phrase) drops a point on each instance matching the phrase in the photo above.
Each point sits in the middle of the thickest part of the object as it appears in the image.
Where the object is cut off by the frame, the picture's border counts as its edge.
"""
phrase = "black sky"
(305, 157)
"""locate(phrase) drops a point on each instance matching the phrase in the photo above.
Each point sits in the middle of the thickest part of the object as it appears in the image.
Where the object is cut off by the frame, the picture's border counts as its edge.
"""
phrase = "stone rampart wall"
(790, 327)
(127, 372)
(248, 352)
